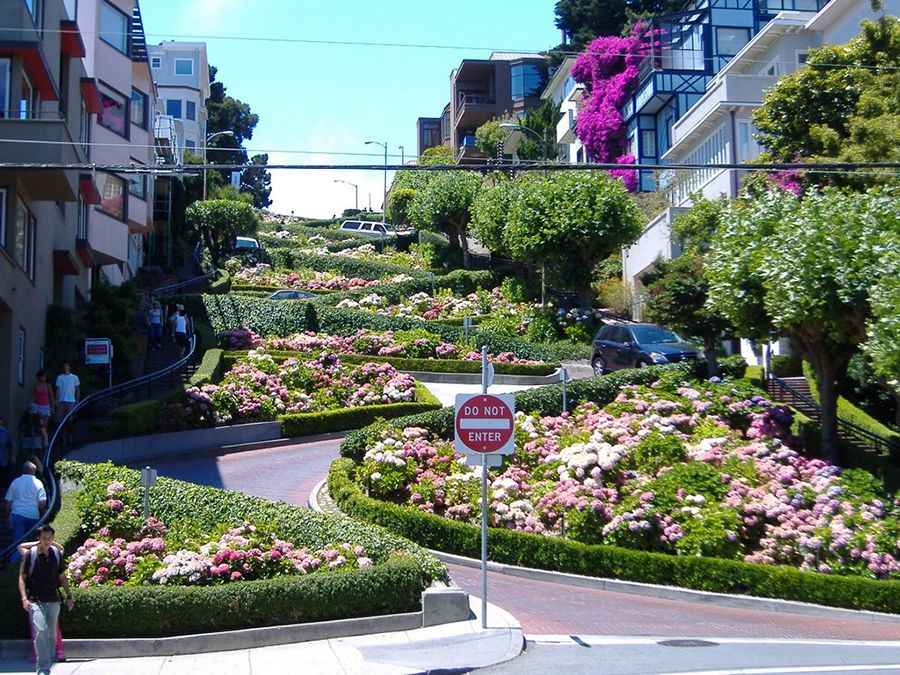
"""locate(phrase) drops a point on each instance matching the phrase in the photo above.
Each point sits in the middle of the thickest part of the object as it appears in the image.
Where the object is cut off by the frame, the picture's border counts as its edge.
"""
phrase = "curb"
(475, 378)
(672, 592)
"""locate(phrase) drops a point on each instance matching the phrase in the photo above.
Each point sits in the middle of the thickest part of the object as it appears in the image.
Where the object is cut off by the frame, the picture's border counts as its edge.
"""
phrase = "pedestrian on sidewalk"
(155, 317)
(25, 500)
(41, 575)
(42, 403)
(24, 548)
(68, 391)
(7, 456)
(182, 324)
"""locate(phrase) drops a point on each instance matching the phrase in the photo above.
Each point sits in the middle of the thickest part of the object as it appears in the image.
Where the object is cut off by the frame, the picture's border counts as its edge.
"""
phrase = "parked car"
(291, 294)
(249, 250)
(375, 230)
(635, 345)
(245, 244)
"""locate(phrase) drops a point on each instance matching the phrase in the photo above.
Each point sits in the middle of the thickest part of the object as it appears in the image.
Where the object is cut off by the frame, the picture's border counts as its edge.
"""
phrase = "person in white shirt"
(25, 499)
(68, 391)
(182, 327)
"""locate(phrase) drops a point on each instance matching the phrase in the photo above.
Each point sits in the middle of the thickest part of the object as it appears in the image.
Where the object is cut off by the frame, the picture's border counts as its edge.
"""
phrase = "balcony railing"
(25, 113)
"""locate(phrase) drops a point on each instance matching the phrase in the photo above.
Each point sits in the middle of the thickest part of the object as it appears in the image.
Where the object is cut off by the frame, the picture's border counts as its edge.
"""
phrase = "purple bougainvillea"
(789, 181)
(609, 69)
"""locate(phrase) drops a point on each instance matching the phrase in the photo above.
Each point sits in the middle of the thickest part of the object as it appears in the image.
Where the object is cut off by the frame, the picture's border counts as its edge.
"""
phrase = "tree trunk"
(464, 241)
(828, 396)
(710, 344)
(897, 408)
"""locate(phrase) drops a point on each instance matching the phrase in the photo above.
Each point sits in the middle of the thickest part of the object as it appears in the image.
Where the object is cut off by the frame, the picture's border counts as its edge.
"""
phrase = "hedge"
(292, 258)
(222, 284)
(563, 555)
(239, 288)
(392, 585)
(341, 419)
(419, 365)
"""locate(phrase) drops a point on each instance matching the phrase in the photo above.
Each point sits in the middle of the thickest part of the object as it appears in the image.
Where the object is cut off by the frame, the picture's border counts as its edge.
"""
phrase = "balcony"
(169, 134)
(473, 110)
(468, 150)
(58, 148)
(565, 128)
(107, 239)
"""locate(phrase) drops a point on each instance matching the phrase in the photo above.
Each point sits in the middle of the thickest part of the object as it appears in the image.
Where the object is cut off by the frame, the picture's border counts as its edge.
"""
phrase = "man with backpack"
(40, 576)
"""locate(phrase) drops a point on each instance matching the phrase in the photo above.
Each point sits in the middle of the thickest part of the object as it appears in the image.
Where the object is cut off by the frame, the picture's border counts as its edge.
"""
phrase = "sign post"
(467, 326)
(99, 352)
(148, 480)
(564, 378)
(485, 426)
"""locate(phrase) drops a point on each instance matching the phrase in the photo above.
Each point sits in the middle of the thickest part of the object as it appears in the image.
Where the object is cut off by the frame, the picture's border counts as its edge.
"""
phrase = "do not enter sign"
(485, 424)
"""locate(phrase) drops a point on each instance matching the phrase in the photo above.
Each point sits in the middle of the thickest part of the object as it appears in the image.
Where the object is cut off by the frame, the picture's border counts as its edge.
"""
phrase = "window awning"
(89, 192)
(35, 66)
(91, 95)
(71, 43)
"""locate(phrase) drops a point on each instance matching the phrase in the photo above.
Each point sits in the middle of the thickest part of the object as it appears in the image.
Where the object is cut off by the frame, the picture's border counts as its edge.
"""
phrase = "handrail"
(171, 288)
(53, 494)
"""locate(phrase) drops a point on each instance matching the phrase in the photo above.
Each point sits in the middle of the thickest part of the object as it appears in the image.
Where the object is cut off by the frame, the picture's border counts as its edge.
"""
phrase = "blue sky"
(333, 98)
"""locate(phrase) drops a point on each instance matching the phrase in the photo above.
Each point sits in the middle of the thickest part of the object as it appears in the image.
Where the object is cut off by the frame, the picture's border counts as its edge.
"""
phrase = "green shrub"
(564, 555)
(787, 366)
(463, 282)
(221, 284)
(292, 258)
(732, 367)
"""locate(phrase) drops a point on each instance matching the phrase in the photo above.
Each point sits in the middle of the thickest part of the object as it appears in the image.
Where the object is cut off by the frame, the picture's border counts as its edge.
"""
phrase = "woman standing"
(42, 403)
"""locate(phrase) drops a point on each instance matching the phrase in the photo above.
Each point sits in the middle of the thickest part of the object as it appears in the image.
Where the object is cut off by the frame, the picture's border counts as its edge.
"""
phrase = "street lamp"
(354, 186)
(402, 154)
(205, 160)
(520, 127)
(384, 203)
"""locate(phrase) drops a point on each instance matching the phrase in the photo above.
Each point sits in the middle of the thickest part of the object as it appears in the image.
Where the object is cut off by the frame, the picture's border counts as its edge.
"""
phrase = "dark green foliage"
(222, 283)
(863, 387)
(731, 367)
(563, 555)
(292, 258)
(787, 366)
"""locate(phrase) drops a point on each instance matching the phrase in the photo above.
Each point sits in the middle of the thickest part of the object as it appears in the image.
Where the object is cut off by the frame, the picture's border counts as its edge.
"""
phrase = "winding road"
(289, 474)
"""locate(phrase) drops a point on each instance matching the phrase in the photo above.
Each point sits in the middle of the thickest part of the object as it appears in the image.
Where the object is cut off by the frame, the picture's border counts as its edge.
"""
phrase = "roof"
(515, 56)
(559, 77)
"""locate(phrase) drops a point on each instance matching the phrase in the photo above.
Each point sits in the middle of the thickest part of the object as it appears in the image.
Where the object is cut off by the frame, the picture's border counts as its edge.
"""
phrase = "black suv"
(635, 345)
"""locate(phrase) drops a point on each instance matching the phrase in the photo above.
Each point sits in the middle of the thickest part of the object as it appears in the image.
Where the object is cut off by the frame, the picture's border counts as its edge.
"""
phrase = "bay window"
(112, 195)
(139, 108)
(113, 112)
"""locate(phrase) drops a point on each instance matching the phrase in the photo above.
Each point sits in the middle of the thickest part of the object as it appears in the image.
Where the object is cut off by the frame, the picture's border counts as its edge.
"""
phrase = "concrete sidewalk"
(455, 647)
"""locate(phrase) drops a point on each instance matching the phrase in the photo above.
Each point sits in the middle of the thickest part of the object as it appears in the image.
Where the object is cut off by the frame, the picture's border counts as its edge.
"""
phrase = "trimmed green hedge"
(563, 555)
(418, 365)
(292, 258)
(222, 284)
(239, 288)
(327, 421)
(394, 584)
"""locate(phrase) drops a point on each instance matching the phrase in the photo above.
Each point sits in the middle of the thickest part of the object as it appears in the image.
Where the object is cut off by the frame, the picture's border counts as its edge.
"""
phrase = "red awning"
(89, 191)
(63, 263)
(35, 66)
(71, 43)
(85, 253)
(91, 95)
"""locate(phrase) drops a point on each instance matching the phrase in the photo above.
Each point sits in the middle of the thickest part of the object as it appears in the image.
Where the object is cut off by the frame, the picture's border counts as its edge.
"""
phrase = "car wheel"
(599, 367)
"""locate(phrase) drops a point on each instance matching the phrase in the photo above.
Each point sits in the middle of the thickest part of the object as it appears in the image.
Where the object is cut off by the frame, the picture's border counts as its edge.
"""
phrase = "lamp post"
(205, 160)
(384, 203)
(402, 154)
(354, 186)
(520, 127)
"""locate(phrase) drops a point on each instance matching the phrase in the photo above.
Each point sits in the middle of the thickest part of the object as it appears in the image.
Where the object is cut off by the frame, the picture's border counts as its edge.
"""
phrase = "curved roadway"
(290, 473)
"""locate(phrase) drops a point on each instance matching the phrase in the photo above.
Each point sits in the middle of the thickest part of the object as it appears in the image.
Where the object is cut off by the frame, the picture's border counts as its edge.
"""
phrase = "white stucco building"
(563, 90)
(181, 73)
(718, 128)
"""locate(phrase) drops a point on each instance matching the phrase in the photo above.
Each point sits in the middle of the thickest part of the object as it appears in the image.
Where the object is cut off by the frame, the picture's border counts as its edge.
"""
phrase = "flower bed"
(688, 470)
(206, 549)
(264, 276)
(259, 388)
(417, 258)
(444, 306)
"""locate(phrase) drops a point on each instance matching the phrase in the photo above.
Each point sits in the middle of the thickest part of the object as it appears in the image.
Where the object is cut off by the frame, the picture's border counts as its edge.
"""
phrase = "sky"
(325, 98)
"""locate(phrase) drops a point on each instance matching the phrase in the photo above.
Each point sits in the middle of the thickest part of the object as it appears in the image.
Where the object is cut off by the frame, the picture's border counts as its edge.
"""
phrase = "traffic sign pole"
(484, 499)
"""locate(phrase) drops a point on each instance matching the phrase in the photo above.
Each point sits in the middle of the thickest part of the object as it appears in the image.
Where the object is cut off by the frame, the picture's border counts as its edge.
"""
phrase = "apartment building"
(122, 134)
(47, 103)
(507, 83)
(181, 73)
(432, 132)
(718, 126)
(568, 95)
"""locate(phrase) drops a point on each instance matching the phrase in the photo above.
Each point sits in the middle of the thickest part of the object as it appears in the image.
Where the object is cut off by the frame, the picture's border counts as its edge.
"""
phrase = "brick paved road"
(290, 473)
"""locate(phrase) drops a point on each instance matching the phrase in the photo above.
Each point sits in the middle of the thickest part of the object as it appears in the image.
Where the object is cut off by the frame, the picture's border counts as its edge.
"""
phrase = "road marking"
(788, 670)
(652, 640)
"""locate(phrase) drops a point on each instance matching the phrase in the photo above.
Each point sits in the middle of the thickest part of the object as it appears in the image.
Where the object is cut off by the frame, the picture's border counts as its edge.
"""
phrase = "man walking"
(40, 576)
(68, 391)
(25, 499)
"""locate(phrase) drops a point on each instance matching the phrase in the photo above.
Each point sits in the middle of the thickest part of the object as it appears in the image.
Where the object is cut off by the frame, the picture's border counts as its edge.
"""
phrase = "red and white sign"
(98, 351)
(485, 424)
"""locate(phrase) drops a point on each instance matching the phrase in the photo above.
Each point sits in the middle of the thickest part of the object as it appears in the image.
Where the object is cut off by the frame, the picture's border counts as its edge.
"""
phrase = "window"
(730, 40)
(82, 232)
(527, 80)
(190, 110)
(772, 69)
(5, 84)
(802, 57)
(20, 356)
(29, 100)
(184, 67)
(350, 225)
(112, 195)
(34, 8)
(64, 84)
(114, 27)
(137, 184)
(3, 217)
(23, 238)
(113, 112)
(190, 145)
(139, 108)
(173, 108)
(748, 148)
(155, 62)
(84, 130)
(648, 139)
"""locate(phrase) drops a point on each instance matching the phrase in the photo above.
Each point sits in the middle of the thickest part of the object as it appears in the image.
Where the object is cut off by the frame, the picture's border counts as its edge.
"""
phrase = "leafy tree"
(440, 154)
(229, 193)
(399, 201)
(883, 330)
(569, 222)
(219, 221)
(805, 268)
(226, 113)
(193, 183)
(489, 136)
(442, 203)
(844, 106)
(583, 20)
(490, 212)
(542, 120)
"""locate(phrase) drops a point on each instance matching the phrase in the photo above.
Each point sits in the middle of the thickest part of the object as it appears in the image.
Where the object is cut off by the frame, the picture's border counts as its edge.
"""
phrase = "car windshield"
(654, 335)
(244, 242)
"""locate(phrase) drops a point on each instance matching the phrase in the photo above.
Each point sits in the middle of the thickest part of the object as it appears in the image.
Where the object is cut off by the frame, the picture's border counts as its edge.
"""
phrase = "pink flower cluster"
(682, 468)
(264, 275)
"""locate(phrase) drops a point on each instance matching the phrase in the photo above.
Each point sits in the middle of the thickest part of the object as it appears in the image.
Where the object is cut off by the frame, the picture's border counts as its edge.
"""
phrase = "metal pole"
(565, 380)
(384, 203)
(204, 183)
(356, 189)
(146, 498)
(484, 503)
(543, 285)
